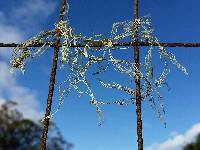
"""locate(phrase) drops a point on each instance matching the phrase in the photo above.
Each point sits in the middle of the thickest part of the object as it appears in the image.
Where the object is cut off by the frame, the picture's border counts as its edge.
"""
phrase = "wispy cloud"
(2, 101)
(177, 141)
(27, 101)
(20, 20)
(26, 14)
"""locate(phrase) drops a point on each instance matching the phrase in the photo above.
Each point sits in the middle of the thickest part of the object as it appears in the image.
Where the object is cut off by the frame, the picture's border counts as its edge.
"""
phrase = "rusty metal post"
(49, 99)
(137, 78)
(52, 82)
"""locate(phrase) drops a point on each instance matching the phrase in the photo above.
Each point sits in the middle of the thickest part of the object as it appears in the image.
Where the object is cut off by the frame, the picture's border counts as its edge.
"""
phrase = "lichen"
(80, 60)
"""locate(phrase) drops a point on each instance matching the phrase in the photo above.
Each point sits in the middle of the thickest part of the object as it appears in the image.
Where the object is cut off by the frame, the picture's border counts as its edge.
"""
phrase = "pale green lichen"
(80, 60)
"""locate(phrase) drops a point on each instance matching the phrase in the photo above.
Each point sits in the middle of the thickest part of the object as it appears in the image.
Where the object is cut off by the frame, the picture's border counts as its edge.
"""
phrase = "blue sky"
(173, 22)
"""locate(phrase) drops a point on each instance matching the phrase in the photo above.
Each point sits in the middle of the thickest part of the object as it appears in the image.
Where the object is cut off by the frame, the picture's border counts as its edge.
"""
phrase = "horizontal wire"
(101, 44)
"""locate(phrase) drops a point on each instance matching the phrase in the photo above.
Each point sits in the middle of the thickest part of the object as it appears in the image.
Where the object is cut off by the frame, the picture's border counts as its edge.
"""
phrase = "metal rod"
(49, 99)
(100, 44)
(51, 83)
(137, 78)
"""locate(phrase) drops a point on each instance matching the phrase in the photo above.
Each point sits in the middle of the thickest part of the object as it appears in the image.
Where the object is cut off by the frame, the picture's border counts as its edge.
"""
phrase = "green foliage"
(17, 133)
(193, 146)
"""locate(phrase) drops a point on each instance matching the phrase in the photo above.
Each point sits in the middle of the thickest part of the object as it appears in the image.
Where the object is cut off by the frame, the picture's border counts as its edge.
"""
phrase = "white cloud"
(27, 101)
(2, 101)
(32, 11)
(9, 34)
(6, 79)
(177, 141)
(21, 19)
(25, 13)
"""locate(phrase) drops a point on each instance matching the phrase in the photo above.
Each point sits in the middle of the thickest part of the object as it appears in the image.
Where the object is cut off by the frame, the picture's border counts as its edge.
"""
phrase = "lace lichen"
(80, 60)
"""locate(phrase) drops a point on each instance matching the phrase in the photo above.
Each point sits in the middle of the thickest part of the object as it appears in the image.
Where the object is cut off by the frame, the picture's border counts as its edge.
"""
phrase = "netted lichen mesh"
(81, 59)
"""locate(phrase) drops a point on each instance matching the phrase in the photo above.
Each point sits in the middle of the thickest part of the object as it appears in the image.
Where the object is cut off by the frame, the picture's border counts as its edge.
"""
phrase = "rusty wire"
(100, 44)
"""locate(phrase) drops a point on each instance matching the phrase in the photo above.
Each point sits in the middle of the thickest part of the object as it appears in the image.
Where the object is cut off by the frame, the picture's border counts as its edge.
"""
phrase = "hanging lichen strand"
(80, 60)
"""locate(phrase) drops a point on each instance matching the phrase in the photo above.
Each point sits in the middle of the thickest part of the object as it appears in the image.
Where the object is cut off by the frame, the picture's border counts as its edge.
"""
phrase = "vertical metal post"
(49, 99)
(52, 82)
(137, 78)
